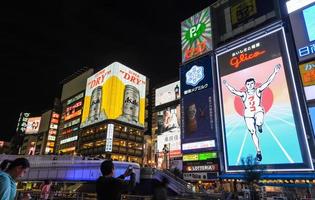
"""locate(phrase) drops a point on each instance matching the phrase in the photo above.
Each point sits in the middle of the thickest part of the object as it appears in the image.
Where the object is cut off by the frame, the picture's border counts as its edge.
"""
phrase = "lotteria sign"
(257, 104)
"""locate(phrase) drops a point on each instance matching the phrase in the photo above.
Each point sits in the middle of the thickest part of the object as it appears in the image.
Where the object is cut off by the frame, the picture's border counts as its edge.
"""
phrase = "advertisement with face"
(303, 26)
(257, 106)
(168, 130)
(116, 92)
(32, 125)
(197, 112)
(196, 35)
(167, 93)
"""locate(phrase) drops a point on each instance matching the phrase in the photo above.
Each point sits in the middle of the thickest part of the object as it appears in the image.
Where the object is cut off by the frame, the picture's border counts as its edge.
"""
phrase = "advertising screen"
(196, 35)
(312, 116)
(32, 125)
(231, 18)
(167, 93)
(303, 26)
(307, 71)
(116, 92)
(197, 112)
(257, 103)
(22, 122)
(169, 131)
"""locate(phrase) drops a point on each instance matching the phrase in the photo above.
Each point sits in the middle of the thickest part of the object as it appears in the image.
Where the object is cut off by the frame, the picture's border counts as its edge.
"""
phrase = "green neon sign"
(207, 156)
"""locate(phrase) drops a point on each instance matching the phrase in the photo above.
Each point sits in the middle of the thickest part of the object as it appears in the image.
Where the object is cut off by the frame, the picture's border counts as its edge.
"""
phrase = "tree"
(252, 173)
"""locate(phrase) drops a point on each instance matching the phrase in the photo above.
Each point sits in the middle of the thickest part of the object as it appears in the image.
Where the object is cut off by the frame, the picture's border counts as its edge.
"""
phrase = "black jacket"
(110, 188)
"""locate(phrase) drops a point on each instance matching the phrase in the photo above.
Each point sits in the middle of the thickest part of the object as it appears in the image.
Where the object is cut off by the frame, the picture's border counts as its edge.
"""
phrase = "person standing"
(8, 178)
(110, 188)
(45, 190)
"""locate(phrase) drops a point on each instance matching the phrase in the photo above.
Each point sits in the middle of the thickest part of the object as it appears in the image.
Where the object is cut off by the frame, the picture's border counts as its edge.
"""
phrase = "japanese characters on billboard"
(196, 35)
(167, 93)
(53, 127)
(22, 122)
(303, 26)
(116, 92)
(197, 112)
(257, 104)
(307, 71)
(32, 125)
(169, 131)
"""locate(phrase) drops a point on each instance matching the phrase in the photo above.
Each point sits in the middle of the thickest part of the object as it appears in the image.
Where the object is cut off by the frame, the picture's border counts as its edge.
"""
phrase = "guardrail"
(35, 195)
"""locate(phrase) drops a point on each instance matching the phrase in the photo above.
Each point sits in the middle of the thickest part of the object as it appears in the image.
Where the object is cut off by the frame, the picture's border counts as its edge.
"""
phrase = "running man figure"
(253, 110)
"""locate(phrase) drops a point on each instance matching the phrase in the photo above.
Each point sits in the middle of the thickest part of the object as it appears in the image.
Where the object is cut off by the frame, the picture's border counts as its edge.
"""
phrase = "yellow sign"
(307, 72)
(190, 157)
(116, 92)
(242, 10)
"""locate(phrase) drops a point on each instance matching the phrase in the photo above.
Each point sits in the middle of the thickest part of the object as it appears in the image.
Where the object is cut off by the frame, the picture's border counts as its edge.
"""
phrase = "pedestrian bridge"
(68, 168)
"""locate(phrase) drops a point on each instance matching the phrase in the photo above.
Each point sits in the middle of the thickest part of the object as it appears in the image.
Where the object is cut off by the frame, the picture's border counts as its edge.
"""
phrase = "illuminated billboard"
(197, 112)
(312, 116)
(32, 125)
(196, 35)
(167, 93)
(22, 122)
(116, 92)
(169, 131)
(303, 26)
(257, 104)
(231, 18)
(307, 71)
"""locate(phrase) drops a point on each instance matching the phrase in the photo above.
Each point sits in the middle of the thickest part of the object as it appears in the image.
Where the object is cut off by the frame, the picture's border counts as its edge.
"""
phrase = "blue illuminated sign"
(312, 115)
(309, 18)
(307, 50)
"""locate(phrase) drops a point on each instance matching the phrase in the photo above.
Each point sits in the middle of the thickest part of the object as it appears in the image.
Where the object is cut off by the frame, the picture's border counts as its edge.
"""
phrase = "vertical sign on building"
(53, 127)
(197, 112)
(261, 114)
(196, 35)
(22, 122)
(109, 138)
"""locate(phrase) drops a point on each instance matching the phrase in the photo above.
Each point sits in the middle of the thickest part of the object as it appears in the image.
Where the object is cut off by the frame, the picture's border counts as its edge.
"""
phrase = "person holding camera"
(110, 188)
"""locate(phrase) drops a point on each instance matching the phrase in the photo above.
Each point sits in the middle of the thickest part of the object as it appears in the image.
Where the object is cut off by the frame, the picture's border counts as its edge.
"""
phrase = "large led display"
(169, 131)
(32, 125)
(116, 92)
(167, 93)
(303, 26)
(233, 17)
(257, 104)
(197, 112)
(196, 35)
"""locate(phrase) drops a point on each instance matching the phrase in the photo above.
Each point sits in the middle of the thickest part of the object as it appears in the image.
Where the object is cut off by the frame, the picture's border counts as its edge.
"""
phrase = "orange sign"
(236, 61)
(75, 114)
(307, 72)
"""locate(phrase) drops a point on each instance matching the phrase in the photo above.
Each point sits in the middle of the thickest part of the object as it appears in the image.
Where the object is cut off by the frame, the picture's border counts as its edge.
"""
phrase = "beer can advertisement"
(167, 93)
(307, 71)
(197, 112)
(196, 35)
(169, 131)
(257, 104)
(117, 93)
(32, 125)
(303, 26)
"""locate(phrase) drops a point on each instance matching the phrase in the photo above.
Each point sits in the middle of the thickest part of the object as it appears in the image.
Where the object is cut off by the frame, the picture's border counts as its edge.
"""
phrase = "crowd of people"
(107, 186)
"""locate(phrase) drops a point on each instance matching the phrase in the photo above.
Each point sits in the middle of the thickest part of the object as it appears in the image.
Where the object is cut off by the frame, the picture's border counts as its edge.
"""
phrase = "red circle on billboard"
(266, 100)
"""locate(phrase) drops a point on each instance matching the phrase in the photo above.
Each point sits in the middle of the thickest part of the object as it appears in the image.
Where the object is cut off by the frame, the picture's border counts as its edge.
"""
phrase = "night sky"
(43, 42)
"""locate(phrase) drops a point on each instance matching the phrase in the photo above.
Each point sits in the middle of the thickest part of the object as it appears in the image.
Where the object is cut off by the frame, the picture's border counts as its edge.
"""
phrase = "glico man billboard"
(257, 96)
(197, 112)
(196, 35)
(116, 92)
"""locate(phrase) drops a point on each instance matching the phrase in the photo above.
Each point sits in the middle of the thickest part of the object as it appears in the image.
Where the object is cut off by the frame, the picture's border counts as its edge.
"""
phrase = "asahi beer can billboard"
(116, 92)
(260, 110)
